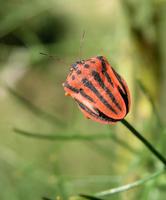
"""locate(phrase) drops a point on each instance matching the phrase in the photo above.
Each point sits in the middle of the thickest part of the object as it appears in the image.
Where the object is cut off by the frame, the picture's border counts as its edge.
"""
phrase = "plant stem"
(61, 136)
(130, 185)
(144, 141)
(123, 188)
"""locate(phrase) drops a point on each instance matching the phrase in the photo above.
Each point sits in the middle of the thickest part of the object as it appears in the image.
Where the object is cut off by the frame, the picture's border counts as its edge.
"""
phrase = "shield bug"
(100, 92)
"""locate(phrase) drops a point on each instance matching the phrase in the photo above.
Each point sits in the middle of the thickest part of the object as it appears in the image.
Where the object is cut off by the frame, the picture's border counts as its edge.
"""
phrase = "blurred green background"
(131, 34)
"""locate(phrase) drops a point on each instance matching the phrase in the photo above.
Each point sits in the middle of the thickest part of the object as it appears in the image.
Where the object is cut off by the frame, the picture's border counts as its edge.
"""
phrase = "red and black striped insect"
(100, 92)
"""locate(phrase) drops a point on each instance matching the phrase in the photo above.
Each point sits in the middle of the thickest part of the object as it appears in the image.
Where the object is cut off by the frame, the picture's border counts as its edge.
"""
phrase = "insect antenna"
(81, 45)
(54, 58)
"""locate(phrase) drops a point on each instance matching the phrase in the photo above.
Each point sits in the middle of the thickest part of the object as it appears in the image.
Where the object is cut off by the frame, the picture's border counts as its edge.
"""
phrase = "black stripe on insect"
(104, 70)
(99, 114)
(101, 83)
(89, 85)
(124, 95)
(70, 87)
(85, 95)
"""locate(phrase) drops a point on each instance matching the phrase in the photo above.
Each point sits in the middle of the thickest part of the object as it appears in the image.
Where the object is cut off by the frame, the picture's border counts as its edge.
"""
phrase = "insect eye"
(74, 66)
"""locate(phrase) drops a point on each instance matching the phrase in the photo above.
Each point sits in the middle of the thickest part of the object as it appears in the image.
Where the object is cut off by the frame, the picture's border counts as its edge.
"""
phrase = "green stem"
(75, 136)
(66, 137)
(130, 185)
(123, 188)
(144, 141)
